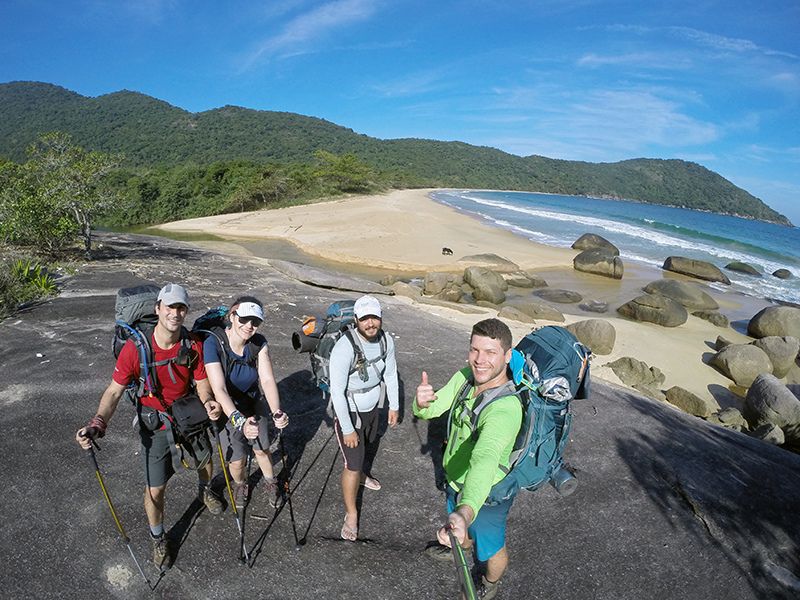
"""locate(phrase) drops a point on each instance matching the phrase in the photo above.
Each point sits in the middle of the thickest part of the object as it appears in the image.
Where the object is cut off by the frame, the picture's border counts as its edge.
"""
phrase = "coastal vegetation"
(270, 157)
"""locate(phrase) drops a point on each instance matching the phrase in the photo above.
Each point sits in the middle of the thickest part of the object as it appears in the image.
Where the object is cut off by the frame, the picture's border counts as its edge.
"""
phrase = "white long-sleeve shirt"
(342, 382)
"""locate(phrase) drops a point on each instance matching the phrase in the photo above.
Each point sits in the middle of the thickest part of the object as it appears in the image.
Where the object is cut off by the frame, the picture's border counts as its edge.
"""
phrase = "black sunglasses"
(254, 321)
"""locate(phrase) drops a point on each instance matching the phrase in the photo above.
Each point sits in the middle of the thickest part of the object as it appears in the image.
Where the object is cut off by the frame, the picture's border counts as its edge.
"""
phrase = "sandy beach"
(404, 231)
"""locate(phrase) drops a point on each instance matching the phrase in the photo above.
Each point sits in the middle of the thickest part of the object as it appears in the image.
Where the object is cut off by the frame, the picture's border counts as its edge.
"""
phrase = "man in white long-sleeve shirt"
(363, 370)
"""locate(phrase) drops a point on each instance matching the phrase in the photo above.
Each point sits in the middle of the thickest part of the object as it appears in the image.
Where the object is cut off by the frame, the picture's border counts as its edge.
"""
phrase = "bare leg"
(154, 504)
(237, 470)
(496, 565)
(264, 461)
(350, 483)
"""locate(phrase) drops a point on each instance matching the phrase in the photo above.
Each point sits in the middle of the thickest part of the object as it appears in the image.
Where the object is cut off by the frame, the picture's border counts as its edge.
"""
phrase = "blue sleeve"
(210, 350)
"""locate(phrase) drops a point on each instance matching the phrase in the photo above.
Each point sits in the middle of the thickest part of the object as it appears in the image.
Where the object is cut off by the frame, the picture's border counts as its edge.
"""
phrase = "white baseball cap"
(367, 305)
(249, 309)
(172, 294)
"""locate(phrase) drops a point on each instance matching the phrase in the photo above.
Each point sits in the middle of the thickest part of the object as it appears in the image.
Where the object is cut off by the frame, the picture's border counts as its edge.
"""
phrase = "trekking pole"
(463, 576)
(242, 547)
(287, 491)
(121, 529)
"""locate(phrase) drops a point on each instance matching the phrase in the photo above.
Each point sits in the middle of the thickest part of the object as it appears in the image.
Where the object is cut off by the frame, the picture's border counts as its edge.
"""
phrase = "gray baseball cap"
(172, 293)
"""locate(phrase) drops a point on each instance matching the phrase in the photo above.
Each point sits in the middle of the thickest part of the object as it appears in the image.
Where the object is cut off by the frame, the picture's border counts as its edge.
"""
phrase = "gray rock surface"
(772, 434)
(713, 317)
(599, 262)
(715, 500)
(655, 309)
(775, 320)
(486, 284)
(699, 269)
(770, 401)
(595, 306)
(494, 262)
(521, 279)
(686, 293)
(537, 280)
(743, 267)
(328, 279)
(782, 352)
(742, 363)
(721, 342)
(435, 282)
(559, 296)
(400, 288)
(590, 241)
(459, 306)
(596, 334)
(538, 310)
(691, 403)
(782, 273)
(730, 418)
(511, 312)
(633, 372)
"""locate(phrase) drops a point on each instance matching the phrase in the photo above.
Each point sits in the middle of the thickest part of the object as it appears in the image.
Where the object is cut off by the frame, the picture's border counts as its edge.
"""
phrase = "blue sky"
(716, 82)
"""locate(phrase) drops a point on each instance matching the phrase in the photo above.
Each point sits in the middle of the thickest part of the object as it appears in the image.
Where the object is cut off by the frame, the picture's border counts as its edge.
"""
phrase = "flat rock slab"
(328, 279)
(666, 503)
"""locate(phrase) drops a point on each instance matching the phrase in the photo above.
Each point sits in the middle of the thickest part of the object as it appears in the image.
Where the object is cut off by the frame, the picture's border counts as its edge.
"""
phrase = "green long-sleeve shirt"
(473, 463)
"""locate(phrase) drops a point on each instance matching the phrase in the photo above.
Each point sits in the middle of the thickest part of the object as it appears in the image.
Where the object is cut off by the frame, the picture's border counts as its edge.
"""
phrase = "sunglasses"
(254, 321)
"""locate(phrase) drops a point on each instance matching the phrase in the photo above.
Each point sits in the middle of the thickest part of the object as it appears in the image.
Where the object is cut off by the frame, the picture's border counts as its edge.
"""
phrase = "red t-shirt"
(127, 370)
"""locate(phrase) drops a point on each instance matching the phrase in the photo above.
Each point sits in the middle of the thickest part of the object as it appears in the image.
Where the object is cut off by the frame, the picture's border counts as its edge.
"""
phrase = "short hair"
(237, 301)
(495, 329)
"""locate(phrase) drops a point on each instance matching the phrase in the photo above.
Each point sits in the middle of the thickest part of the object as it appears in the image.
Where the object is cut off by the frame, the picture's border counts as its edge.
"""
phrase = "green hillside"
(153, 134)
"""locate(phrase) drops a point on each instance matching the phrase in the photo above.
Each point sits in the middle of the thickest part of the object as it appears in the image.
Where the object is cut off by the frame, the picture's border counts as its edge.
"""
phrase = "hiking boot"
(161, 556)
(486, 589)
(439, 553)
(273, 492)
(241, 493)
(209, 498)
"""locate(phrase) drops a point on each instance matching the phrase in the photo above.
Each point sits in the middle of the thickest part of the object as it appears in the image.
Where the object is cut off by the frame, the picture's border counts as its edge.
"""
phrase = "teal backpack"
(549, 368)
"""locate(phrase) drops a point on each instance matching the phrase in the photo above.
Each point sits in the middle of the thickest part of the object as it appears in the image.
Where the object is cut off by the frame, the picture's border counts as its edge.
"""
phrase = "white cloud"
(300, 34)
(650, 60)
(726, 44)
(412, 85)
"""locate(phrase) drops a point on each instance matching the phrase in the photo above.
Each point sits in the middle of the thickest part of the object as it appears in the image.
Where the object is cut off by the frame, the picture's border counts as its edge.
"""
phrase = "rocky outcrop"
(599, 262)
(729, 418)
(634, 372)
(511, 312)
(769, 401)
(327, 279)
(538, 311)
(775, 320)
(401, 288)
(486, 284)
(770, 433)
(521, 279)
(691, 403)
(713, 317)
(743, 267)
(782, 273)
(782, 352)
(559, 296)
(595, 306)
(721, 343)
(686, 293)
(596, 334)
(591, 241)
(742, 363)
(537, 280)
(464, 308)
(655, 309)
(496, 263)
(699, 269)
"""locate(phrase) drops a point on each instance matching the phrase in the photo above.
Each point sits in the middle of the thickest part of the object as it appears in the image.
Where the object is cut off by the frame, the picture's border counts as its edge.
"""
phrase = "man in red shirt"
(179, 363)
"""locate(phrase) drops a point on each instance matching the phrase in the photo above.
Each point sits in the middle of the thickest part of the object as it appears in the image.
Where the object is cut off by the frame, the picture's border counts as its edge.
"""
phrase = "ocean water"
(647, 233)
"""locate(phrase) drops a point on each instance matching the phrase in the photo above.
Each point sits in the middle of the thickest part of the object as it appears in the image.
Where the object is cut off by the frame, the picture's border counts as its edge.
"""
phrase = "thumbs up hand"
(425, 393)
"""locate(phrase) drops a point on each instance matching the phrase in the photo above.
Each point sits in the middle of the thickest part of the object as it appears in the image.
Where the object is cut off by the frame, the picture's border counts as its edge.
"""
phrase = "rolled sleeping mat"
(304, 343)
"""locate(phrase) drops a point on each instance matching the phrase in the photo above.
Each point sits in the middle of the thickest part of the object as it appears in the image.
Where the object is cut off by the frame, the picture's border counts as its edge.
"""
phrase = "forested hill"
(150, 132)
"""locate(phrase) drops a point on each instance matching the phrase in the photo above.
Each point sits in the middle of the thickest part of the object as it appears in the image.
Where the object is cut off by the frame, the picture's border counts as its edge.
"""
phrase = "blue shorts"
(488, 530)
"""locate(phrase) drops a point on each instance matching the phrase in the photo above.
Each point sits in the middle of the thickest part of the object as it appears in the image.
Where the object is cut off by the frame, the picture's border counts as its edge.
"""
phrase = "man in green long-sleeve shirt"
(474, 463)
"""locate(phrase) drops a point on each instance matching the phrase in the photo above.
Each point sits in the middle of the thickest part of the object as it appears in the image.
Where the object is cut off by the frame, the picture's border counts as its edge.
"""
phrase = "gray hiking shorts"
(235, 446)
(157, 456)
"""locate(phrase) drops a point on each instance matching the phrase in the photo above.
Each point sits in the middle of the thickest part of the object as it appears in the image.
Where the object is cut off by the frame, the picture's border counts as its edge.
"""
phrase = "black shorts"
(367, 434)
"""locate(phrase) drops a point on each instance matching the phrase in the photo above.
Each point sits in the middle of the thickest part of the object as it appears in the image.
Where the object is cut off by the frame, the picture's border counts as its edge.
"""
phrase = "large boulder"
(782, 352)
(699, 269)
(712, 316)
(408, 290)
(515, 314)
(596, 334)
(521, 279)
(775, 320)
(599, 262)
(634, 372)
(743, 267)
(782, 273)
(770, 401)
(685, 293)
(486, 284)
(770, 433)
(539, 311)
(496, 263)
(595, 306)
(742, 363)
(655, 309)
(691, 403)
(436, 282)
(560, 296)
(591, 241)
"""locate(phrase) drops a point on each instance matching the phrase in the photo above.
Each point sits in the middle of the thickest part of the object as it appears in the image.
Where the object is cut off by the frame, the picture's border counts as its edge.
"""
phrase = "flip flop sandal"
(371, 483)
(348, 533)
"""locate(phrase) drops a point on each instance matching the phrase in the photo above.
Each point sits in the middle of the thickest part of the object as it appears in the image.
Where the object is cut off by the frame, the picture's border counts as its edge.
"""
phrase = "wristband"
(97, 423)
(238, 420)
(277, 415)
